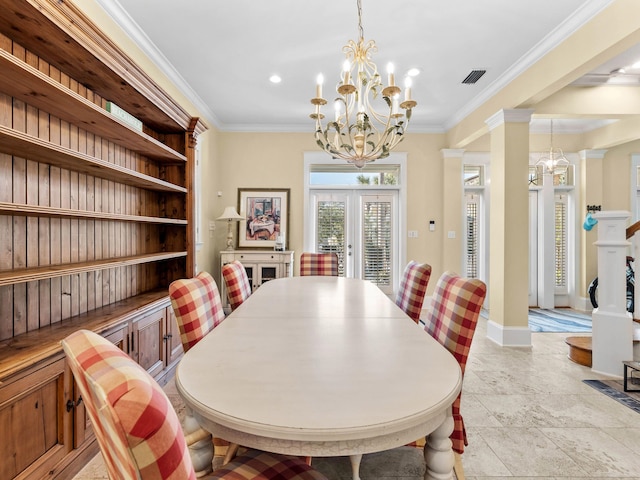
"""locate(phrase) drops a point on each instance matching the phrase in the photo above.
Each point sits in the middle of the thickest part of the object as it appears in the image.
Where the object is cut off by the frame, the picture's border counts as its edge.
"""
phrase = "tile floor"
(529, 416)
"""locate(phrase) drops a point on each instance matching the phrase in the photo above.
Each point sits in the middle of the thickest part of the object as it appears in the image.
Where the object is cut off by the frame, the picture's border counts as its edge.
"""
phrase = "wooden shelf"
(28, 84)
(29, 348)
(53, 212)
(15, 276)
(33, 148)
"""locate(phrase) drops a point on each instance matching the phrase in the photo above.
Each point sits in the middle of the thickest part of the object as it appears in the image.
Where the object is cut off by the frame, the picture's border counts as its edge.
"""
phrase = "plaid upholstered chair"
(451, 319)
(197, 306)
(413, 286)
(236, 282)
(198, 310)
(319, 264)
(138, 430)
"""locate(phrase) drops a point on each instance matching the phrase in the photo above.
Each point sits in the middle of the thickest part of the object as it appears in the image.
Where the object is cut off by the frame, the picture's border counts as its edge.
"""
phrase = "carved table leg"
(355, 465)
(200, 445)
(438, 453)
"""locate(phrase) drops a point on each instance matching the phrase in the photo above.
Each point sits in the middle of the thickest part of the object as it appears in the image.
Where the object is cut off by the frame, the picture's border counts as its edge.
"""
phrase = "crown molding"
(115, 10)
(562, 32)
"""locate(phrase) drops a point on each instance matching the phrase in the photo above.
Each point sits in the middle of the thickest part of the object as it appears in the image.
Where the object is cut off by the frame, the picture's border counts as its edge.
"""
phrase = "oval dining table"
(320, 367)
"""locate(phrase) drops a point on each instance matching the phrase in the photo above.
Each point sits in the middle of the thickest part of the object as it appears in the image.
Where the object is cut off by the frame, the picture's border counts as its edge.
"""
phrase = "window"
(330, 229)
(377, 234)
(472, 246)
(561, 241)
(473, 175)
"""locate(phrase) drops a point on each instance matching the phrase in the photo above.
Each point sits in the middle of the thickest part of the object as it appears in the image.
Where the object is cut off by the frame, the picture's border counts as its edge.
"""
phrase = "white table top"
(319, 366)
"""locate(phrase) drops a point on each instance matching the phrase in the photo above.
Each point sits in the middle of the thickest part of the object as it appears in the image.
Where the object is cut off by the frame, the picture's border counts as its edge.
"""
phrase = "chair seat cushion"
(258, 465)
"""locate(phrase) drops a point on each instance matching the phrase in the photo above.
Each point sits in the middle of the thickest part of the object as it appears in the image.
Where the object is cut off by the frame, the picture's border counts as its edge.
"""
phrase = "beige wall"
(276, 160)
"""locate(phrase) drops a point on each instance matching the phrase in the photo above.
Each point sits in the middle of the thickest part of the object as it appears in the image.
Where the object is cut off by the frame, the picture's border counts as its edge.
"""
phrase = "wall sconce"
(230, 215)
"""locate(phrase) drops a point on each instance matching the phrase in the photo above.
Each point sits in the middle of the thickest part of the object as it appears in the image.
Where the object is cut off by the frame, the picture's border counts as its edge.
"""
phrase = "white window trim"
(396, 158)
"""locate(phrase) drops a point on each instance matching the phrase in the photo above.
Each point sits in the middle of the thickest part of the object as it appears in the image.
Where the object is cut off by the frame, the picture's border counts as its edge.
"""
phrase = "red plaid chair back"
(197, 306)
(137, 429)
(451, 319)
(237, 283)
(319, 264)
(413, 287)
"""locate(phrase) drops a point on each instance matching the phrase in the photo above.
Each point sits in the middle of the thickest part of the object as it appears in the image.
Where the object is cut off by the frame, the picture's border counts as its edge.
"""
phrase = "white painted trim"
(635, 188)
(508, 336)
(395, 158)
(512, 115)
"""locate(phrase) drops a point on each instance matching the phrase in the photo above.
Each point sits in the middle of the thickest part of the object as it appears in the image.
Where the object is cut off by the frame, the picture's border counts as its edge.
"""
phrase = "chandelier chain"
(360, 29)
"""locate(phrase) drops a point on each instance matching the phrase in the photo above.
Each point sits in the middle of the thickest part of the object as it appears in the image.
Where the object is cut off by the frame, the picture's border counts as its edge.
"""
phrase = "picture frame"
(265, 213)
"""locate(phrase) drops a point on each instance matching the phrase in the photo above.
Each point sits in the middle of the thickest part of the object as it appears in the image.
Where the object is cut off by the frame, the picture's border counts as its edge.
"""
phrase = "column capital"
(513, 115)
(452, 152)
(597, 154)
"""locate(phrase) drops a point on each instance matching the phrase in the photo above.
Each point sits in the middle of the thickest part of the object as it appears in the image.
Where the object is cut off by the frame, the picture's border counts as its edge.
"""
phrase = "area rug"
(558, 320)
(615, 390)
(562, 320)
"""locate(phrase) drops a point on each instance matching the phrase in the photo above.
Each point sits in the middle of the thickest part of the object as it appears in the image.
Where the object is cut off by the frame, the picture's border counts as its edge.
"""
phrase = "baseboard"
(508, 336)
(583, 304)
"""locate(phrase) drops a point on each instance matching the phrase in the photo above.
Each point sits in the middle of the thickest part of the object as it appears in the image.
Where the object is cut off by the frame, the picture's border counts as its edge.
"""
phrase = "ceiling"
(222, 53)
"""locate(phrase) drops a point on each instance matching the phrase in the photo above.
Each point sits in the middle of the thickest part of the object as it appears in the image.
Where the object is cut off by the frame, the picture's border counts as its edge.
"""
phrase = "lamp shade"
(230, 214)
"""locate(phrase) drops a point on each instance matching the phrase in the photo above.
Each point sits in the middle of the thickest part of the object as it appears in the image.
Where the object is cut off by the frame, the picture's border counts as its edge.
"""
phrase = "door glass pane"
(377, 236)
(561, 241)
(330, 216)
(472, 246)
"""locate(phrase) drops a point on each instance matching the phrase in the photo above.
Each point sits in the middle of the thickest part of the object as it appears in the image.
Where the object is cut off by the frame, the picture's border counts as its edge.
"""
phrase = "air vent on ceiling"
(474, 76)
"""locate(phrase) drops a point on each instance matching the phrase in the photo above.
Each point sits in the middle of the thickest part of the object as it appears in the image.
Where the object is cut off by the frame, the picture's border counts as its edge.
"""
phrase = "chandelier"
(361, 132)
(555, 161)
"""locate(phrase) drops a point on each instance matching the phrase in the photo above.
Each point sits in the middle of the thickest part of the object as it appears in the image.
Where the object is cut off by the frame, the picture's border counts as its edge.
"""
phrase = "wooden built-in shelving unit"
(96, 220)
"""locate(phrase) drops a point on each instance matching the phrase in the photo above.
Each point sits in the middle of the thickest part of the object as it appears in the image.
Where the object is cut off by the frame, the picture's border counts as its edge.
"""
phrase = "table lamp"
(230, 215)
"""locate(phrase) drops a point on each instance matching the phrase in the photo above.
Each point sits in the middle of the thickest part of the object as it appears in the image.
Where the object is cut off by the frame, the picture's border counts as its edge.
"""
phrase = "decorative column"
(509, 229)
(612, 330)
(546, 243)
(452, 210)
(590, 193)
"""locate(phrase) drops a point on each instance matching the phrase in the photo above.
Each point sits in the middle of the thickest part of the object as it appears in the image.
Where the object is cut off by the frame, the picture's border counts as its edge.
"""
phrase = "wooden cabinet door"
(119, 336)
(266, 272)
(148, 343)
(173, 342)
(36, 427)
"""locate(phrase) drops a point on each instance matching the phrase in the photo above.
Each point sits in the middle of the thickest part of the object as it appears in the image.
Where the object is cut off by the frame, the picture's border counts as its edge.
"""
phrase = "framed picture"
(265, 213)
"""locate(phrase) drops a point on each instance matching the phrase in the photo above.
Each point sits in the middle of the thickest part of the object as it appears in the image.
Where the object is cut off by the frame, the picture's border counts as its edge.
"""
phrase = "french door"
(361, 226)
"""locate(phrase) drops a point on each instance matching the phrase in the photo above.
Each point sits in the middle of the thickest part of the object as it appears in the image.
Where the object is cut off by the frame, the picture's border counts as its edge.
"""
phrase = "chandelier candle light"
(359, 133)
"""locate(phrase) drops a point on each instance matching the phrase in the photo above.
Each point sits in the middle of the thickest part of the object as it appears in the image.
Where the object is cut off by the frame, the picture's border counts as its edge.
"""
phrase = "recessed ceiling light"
(413, 72)
(275, 79)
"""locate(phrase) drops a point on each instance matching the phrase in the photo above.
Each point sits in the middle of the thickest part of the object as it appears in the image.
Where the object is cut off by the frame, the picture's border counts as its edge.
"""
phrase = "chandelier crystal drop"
(555, 161)
(369, 117)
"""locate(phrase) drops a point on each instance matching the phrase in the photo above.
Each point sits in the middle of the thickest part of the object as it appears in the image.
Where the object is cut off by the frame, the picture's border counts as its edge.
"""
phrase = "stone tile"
(528, 452)
(475, 413)
(556, 410)
(479, 459)
(596, 451)
(629, 437)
